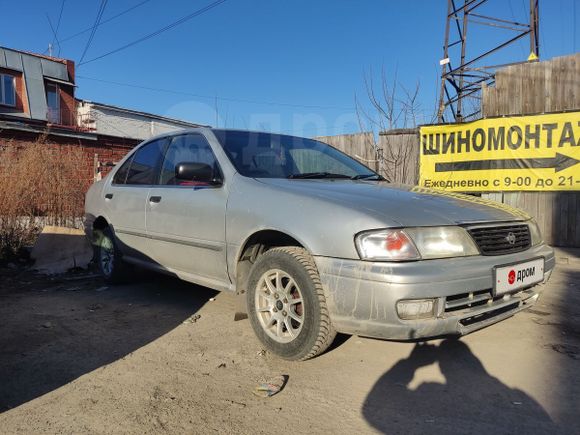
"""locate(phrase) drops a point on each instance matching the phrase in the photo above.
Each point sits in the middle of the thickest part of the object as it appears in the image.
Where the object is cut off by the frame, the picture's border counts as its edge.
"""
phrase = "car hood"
(399, 204)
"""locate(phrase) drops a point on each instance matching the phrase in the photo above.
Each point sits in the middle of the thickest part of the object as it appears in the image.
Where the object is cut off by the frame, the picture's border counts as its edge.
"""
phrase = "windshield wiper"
(318, 175)
(366, 177)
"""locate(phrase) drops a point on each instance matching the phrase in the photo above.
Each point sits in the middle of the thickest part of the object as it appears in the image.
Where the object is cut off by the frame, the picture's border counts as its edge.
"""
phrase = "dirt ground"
(163, 356)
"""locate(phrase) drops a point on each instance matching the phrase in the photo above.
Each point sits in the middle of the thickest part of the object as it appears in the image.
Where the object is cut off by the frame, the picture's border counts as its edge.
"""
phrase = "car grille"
(466, 301)
(478, 302)
(505, 239)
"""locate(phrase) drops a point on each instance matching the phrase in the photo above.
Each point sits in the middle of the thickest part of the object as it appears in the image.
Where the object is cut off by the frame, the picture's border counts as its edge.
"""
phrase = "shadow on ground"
(469, 401)
(54, 331)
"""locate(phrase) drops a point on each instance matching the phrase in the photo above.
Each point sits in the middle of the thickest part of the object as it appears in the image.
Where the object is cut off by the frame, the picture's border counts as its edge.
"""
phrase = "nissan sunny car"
(311, 241)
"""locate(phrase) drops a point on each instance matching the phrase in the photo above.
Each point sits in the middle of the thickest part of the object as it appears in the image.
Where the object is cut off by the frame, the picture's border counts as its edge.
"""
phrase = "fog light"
(412, 309)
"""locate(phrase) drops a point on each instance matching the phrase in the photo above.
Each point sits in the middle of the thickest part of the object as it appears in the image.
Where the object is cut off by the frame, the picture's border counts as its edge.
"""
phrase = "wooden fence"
(358, 145)
(534, 88)
(398, 150)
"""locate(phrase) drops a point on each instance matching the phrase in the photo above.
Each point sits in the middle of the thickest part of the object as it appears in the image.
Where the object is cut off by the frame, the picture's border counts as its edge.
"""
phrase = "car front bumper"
(362, 295)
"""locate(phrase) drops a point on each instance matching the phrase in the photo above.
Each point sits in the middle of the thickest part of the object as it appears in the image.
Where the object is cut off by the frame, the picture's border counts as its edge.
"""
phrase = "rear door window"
(145, 164)
(121, 175)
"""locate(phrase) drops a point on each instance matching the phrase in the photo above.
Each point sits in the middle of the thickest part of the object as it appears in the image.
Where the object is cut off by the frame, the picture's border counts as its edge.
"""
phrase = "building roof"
(43, 56)
(145, 114)
(32, 126)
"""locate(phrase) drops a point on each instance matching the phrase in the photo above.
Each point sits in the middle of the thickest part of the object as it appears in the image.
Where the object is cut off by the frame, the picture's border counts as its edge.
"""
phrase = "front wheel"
(286, 304)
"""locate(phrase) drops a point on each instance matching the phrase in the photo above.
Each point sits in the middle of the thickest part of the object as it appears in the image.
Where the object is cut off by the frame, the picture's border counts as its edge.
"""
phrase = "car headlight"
(535, 234)
(393, 245)
(415, 244)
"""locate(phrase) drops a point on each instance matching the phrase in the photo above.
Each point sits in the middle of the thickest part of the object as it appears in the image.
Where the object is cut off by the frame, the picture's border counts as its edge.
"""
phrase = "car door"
(126, 199)
(185, 218)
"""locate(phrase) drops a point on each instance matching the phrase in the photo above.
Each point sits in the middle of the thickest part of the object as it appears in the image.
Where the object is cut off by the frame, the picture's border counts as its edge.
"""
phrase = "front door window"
(187, 148)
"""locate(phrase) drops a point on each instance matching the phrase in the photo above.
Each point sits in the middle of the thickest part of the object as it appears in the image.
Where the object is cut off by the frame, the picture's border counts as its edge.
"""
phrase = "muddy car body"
(313, 242)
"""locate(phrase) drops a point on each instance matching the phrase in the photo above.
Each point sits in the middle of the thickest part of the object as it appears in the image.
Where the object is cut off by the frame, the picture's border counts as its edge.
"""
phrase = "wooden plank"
(570, 82)
(494, 105)
(534, 86)
(561, 209)
(576, 81)
(576, 241)
(572, 224)
(541, 215)
(547, 228)
(527, 90)
(554, 212)
(501, 83)
(547, 103)
(558, 97)
(515, 97)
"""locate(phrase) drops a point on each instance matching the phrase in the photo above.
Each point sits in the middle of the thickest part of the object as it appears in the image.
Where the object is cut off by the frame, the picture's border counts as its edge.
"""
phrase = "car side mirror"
(196, 172)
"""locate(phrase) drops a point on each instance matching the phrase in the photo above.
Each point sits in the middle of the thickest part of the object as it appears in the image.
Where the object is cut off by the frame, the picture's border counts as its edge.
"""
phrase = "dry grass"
(39, 185)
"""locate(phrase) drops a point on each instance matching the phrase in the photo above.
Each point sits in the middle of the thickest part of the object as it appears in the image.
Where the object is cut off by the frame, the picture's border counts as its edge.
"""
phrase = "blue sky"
(283, 65)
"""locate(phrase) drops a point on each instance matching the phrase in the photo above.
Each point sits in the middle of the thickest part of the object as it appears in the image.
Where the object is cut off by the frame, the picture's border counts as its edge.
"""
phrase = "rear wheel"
(286, 304)
(109, 257)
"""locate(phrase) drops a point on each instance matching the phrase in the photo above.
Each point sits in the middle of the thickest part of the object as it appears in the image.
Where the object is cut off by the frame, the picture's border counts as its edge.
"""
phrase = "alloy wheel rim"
(279, 306)
(107, 257)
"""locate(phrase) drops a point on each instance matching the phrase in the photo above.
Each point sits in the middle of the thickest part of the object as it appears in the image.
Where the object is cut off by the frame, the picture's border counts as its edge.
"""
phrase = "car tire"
(286, 304)
(109, 257)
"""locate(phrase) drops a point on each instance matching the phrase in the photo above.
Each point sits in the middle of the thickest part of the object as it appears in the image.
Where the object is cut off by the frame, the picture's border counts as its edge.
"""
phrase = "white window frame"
(3, 101)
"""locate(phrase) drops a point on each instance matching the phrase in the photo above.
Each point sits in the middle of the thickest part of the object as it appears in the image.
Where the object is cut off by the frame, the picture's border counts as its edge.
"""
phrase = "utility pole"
(462, 71)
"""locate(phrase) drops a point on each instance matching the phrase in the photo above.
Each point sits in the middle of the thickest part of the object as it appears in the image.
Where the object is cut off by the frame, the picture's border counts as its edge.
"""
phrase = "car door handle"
(155, 199)
(109, 196)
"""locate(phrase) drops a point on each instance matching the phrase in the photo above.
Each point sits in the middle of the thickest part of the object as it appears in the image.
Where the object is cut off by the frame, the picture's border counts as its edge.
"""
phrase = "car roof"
(203, 129)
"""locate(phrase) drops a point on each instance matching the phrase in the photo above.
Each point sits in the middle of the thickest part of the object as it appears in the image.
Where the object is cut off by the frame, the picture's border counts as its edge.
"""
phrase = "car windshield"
(266, 155)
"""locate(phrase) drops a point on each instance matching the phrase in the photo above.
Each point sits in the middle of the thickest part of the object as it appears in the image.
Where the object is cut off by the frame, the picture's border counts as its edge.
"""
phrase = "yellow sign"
(532, 57)
(540, 153)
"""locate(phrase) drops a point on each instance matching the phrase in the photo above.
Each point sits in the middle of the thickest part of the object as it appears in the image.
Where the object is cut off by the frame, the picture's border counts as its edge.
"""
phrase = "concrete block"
(59, 249)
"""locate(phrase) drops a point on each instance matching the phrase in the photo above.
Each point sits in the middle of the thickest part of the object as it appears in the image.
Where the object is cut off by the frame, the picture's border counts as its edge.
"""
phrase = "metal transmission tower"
(463, 75)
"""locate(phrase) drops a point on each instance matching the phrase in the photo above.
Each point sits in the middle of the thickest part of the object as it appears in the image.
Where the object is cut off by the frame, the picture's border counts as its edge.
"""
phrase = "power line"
(94, 30)
(213, 97)
(88, 29)
(53, 35)
(58, 24)
(158, 32)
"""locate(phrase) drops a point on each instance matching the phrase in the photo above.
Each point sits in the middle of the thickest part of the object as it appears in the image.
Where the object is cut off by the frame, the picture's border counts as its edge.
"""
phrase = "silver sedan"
(311, 241)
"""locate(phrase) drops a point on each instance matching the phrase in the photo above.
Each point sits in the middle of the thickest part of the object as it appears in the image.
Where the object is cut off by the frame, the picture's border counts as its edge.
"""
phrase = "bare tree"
(390, 106)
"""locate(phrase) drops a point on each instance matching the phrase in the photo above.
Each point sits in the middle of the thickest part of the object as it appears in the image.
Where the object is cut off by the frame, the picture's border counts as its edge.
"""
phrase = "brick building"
(37, 101)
